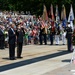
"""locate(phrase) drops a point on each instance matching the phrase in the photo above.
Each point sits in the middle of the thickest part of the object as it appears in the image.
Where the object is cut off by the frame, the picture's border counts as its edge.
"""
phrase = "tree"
(34, 6)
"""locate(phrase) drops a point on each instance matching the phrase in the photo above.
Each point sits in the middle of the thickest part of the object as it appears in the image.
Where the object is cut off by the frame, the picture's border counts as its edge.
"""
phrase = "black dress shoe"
(1, 48)
(40, 44)
(51, 44)
(63, 44)
(12, 59)
(19, 57)
(45, 44)
(70, 51)
(57, 44)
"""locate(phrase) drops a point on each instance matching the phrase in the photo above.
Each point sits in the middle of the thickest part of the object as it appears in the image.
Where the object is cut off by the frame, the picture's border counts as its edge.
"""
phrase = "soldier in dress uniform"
(57, 33)
(63, 35)
(51, 34)
(44, 33)
(69, 37)
(73, 38)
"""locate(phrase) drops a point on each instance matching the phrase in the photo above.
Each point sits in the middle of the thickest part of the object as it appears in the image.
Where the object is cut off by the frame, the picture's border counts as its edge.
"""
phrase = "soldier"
(51, 28)
(57, 33)
(63, 33)
(69, 36)
(73, 38)
(44, 33)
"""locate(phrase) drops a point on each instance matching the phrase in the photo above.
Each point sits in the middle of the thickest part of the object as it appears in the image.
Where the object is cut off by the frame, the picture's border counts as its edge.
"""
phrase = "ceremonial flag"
(52, 15)
(52, 18)
(63, 13)
(71, 17)
(63, 16)
(57, 14)
(45, 15)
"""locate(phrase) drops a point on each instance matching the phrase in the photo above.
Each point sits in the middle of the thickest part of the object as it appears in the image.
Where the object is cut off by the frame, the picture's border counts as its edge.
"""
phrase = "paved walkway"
(38, 60)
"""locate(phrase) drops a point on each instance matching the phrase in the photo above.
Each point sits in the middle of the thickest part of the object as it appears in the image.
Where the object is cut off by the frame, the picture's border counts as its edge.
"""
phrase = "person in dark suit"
(40, 35)
(2, 38)
(11, 41)
(20, 33)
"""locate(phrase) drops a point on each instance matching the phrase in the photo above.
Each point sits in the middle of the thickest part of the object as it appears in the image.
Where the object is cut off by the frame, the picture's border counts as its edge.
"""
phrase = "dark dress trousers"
(40, 36)
(69, 38)
(20, 34)
(12, 40)
(51, 35)
(2, 39)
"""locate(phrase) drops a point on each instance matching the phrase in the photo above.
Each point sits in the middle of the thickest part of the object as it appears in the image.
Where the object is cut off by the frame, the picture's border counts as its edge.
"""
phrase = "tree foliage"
(34, 6)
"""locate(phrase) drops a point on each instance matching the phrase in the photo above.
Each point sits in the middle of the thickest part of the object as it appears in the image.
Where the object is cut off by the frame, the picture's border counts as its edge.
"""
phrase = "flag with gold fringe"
(52, 14)
(63, 16)
(45, 15)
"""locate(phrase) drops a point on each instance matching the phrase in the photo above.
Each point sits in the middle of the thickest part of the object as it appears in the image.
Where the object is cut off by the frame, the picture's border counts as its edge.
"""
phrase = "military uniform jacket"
(73, 38)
